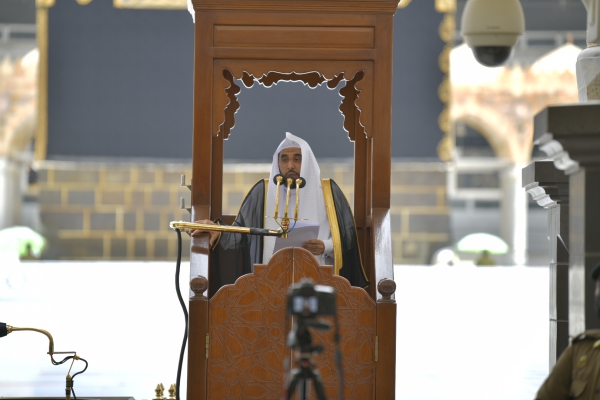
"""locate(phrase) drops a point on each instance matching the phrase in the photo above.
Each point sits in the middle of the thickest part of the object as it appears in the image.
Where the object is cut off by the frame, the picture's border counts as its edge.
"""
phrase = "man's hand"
(197, 232)
(315, 246)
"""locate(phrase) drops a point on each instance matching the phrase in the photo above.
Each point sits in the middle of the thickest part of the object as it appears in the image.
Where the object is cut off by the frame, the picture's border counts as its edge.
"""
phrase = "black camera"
(309, 300)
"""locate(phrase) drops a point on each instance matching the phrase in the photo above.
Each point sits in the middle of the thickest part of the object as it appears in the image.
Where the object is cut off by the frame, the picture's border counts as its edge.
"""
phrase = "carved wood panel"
(357, 93)
(248, 327)
(247, 331)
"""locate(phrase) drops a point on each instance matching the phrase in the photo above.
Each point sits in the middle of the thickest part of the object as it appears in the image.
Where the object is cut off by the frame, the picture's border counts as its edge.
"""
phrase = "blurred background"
(96, 130)
(96, 127)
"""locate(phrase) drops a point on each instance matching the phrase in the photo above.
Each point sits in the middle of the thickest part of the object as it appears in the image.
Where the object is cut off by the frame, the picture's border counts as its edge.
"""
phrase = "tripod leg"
(294, 377)
(303, 389)
(316, 378)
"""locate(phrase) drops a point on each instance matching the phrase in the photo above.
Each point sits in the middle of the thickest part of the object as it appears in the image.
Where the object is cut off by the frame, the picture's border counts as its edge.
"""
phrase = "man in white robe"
(235, 254)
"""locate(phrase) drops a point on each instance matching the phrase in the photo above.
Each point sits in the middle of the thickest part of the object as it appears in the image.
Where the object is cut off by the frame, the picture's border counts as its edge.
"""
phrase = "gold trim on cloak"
(333, 225)
(362, 267)
(328, 194)
(262, 239)
(266, 191)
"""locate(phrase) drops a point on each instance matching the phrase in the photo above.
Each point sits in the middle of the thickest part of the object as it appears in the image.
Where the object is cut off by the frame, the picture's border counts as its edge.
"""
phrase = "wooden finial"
(386, 288)
(199, 284)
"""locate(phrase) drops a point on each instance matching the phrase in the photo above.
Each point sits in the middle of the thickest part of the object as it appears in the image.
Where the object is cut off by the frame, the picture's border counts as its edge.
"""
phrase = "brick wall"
(110, 211)
(122, 211)
(420, 212)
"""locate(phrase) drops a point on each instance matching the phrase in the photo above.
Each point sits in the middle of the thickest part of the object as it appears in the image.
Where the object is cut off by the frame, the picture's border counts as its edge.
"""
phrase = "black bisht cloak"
(235, 254)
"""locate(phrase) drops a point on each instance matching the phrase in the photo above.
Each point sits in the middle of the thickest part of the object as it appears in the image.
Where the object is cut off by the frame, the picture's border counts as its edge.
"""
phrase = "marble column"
(549, 187)
(513, 225)
(570, 136)
(11, 183)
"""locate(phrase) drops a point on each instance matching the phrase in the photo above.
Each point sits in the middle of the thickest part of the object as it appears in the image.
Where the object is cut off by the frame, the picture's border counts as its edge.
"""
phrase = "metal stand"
(299, 377)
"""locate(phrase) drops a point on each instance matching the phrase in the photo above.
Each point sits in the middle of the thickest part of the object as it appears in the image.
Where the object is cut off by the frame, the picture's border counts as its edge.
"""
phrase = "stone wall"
(420, 211)
(110, 211)
(121, 211)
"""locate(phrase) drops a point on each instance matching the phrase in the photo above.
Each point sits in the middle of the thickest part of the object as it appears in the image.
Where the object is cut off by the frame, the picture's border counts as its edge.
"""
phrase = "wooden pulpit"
(316, 42)
(245, 328)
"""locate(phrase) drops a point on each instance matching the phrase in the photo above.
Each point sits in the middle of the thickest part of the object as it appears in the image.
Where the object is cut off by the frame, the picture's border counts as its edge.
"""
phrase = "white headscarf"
(311, 207)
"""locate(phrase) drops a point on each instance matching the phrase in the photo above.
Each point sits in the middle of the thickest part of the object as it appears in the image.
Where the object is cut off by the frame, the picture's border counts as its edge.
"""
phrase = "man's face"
(290, 161)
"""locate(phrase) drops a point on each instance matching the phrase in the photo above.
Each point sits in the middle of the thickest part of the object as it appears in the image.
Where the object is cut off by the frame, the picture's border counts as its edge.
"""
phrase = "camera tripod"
(299, 377)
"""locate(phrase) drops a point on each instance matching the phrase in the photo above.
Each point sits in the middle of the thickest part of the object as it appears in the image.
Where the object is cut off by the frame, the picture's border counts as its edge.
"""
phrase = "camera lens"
(491, 56)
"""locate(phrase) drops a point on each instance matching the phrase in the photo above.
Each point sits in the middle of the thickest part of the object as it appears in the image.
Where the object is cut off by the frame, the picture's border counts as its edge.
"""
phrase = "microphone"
(277, 179)
(293, 186)
(5, 329)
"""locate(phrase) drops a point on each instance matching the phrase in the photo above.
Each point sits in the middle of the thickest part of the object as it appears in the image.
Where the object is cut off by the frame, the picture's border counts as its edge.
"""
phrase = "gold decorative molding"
(445, 148)
(151, 4)
(83, 2)
(445, 6)
(447, 28)
(444, 90)
(44, 3)
(444, 59)
(404, 3)
(446, 32)
(444, 120)
(41, 130)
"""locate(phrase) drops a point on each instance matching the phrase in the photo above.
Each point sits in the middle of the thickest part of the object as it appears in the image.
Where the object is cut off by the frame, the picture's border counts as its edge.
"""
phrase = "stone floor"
(471, 333)
(463, 332)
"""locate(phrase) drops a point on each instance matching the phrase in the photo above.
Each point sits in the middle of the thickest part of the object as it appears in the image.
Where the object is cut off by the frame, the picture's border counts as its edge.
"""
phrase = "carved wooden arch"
(357, 108)
(350, 106)
(357, 94)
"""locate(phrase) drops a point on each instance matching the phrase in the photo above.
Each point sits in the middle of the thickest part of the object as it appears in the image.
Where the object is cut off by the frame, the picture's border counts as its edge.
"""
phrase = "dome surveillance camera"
(492, 28)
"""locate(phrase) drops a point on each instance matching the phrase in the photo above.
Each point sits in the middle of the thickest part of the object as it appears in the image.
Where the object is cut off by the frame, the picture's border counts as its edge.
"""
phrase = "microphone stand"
(6, 329)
